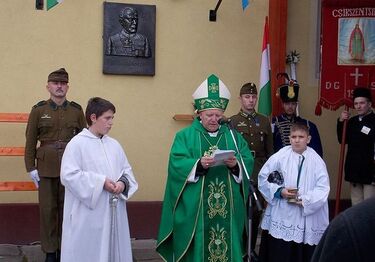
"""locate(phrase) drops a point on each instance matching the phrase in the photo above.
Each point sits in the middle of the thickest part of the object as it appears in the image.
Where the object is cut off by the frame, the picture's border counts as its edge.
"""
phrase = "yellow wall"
(188, 49)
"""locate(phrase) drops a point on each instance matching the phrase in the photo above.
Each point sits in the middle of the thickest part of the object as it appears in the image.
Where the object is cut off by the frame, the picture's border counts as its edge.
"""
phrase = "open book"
(221, 155)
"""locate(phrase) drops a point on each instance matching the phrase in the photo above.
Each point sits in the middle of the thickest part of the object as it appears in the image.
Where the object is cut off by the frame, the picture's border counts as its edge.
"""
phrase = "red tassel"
(318, 109)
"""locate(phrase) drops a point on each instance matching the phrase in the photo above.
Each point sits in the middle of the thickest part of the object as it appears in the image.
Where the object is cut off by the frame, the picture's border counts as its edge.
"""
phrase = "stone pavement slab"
(143, 250)
(11, 253)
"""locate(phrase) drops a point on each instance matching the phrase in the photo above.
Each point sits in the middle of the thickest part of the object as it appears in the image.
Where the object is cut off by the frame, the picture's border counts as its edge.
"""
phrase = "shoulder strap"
(76, 105)
(40, 103)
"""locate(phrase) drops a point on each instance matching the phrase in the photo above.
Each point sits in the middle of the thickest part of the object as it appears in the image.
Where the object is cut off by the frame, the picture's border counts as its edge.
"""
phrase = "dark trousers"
(51, 207)
(257, 215)
(277, 250)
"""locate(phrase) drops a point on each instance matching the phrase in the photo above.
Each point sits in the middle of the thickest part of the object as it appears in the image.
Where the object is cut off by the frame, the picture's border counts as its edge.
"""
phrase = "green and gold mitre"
(211, 94)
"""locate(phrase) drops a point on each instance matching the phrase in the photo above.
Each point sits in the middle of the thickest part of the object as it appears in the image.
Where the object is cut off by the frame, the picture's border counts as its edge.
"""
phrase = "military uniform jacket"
(256, 129)
(281, 132)
(126, 44)
(360, 137)
(50, 124)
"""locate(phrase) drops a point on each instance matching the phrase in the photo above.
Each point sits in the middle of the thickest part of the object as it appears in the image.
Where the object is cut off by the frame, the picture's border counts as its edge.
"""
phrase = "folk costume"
(86, 163)
(359, 162)
(204, 216)
(281, 124)
(298, 227)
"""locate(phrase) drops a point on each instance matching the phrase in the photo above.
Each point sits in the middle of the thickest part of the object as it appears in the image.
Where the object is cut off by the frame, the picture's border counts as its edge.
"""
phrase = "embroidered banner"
(348, 55)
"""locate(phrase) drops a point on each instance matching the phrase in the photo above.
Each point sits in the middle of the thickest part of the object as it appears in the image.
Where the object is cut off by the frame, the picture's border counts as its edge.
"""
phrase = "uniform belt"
(54, 144)
(257, 155)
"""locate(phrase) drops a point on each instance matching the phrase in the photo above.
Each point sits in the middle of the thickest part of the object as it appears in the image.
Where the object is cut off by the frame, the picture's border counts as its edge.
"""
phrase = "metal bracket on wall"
(212, 14)
(39, 4)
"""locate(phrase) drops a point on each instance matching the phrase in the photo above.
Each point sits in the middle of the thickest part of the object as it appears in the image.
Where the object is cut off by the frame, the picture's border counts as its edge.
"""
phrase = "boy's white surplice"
(86, 162)
(291, 222)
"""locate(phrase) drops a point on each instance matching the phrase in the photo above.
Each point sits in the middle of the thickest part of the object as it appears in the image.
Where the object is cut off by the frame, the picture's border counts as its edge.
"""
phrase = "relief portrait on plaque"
(129, 39)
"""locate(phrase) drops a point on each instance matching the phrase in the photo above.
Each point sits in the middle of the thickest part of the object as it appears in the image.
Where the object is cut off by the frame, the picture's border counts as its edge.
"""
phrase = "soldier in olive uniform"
(256, 129)
(53, 123)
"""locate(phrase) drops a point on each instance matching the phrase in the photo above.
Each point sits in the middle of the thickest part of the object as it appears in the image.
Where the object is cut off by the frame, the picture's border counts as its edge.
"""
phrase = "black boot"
(51, 257)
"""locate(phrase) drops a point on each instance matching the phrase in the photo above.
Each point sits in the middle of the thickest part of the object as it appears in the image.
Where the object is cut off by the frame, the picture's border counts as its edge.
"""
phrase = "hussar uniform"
(281, 124)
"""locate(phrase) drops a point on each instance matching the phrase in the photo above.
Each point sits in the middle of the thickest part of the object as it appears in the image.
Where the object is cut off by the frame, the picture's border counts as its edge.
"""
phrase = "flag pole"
(341, 164)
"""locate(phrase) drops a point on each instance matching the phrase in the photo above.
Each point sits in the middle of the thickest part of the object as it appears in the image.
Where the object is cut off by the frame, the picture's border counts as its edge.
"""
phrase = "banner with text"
(348, 54)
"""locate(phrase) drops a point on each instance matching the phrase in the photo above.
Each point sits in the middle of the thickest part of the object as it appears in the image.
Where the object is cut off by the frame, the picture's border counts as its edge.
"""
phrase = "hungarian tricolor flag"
(52, 3)
(265, 99)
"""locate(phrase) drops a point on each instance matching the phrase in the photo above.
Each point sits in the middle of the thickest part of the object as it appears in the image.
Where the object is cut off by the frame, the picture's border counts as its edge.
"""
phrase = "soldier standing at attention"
(53, 122)
(256, 129)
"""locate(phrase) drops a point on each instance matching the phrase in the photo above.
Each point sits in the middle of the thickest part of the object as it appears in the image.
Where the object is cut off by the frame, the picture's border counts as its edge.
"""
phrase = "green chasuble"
(204, 220)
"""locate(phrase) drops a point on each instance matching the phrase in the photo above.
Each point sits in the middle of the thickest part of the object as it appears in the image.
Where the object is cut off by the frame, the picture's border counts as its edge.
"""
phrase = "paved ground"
(143, 250)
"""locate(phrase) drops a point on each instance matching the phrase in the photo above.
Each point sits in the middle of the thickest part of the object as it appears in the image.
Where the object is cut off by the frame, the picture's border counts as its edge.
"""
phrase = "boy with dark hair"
(295, 183)
(98, 180)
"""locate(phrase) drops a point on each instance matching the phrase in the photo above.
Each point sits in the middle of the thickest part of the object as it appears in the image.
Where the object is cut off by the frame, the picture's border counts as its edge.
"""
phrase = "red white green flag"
(265, 98)
(52, 3)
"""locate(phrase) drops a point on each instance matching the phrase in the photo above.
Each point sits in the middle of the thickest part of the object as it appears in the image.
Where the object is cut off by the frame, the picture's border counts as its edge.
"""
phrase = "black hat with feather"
(288, 91)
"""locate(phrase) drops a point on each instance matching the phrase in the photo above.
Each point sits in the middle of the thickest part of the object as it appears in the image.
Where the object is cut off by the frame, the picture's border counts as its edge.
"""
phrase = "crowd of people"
(220, 174)
(285, 166)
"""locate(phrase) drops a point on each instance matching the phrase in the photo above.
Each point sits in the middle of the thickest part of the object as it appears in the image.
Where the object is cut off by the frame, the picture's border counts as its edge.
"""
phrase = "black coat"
(350, 236)
(360, 137)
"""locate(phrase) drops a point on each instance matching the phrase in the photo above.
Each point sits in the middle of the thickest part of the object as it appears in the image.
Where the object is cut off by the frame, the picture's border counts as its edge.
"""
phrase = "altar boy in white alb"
(295, 183)
(98, 180)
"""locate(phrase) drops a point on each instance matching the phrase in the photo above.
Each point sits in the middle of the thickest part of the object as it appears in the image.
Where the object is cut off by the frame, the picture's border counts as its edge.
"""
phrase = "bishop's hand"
(207, 161)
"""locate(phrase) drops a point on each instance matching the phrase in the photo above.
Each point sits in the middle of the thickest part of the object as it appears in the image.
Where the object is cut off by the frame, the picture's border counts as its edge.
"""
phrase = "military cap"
(59, 75)
(362, 92)
(288, 92)
(249, 88)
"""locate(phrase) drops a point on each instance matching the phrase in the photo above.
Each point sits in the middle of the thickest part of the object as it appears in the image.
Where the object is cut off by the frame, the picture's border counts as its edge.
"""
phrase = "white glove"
(35, 177)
